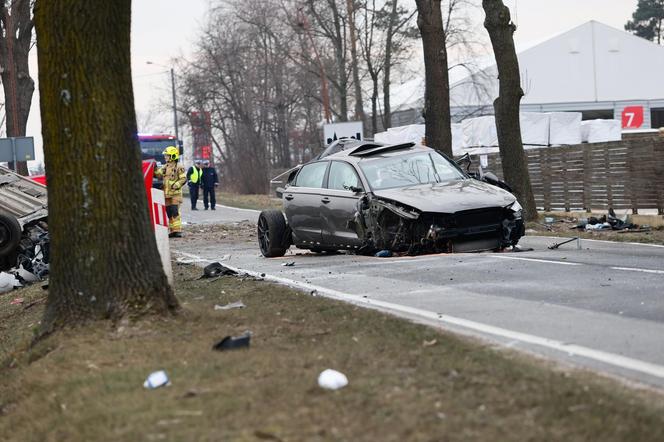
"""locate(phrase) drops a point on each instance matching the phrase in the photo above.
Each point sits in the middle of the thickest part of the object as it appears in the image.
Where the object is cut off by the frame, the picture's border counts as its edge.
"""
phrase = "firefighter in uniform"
(174, 178)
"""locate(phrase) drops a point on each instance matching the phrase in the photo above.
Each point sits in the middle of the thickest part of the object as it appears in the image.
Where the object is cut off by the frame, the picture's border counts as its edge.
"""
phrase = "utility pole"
(175, 109)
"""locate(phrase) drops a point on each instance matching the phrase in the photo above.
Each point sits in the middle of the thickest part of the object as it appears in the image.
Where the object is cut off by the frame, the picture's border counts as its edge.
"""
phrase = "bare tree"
(104, 258)
(437, 85)
(515, 167)
(372, 55)
(331, 24)
(16, 24)
(396, 23)
(355, 62)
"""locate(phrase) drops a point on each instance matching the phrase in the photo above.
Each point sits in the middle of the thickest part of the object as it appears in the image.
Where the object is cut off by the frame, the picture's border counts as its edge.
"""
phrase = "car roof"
(360, 151)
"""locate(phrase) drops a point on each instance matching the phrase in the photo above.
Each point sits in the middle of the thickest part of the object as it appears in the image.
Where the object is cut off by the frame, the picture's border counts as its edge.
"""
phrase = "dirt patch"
(407, 382)
(239, 232)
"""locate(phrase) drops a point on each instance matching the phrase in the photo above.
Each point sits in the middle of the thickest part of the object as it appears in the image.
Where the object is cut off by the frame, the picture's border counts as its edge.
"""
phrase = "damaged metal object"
(407, 199)
(24, 239)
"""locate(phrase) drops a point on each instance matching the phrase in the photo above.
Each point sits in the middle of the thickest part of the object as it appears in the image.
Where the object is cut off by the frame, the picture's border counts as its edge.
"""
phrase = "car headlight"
(516, 208)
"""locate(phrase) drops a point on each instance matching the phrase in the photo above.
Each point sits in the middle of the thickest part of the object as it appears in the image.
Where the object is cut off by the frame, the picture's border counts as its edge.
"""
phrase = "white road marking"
(612, 359)
(632, 269)
(237, 208)
(548, 261)
(599, 240)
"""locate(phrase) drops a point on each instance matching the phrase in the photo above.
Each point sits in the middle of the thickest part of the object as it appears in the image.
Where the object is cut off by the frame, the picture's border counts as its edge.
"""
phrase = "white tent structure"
(593, 69)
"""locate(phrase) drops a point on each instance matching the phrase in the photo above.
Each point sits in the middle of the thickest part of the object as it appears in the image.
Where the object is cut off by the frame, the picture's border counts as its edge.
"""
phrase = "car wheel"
(272, 233)
(10, 234)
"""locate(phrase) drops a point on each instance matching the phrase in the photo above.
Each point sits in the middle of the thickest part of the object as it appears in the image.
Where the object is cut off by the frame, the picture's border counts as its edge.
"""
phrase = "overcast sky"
(163, 30)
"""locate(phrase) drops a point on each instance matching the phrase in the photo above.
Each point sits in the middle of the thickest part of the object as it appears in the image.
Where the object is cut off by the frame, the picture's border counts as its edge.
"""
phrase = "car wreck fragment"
(407, 199)
(24, 239)
(387, 225)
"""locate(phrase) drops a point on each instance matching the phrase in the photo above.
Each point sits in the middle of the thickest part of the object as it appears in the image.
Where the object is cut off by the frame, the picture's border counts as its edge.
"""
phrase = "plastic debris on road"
(217, 269)
(332, 380)
(288, 264)
(17, 301)
(233, 342)
(232, 305)
(156, 380)
(8, 282)
(383, 254)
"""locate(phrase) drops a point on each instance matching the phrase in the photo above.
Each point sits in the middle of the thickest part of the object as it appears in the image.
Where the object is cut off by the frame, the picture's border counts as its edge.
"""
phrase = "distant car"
(406, 198)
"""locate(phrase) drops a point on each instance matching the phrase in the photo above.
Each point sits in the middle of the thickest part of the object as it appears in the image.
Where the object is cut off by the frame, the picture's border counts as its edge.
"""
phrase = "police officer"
(209, 181)
(174, 178)
(194, 180)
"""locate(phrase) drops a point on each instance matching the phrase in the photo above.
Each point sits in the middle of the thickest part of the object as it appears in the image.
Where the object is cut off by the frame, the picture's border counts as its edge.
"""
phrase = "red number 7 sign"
(632, 117)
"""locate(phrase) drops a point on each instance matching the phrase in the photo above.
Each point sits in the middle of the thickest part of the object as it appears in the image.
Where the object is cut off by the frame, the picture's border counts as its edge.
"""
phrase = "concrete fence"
(627, 174)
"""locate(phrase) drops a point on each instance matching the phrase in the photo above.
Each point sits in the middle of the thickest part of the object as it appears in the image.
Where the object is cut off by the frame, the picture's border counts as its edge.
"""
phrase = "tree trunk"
(359, 106)
(438, 127)
(387, 65)
(17, 84)
(104, 258)
(506, 106)
(340, 56)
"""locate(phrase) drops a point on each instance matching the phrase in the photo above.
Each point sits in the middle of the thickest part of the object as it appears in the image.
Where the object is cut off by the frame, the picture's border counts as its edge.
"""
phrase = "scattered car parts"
(24, 239)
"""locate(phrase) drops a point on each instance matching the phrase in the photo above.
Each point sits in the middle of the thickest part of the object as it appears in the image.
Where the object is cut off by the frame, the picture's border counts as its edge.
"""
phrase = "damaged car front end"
(389, 225)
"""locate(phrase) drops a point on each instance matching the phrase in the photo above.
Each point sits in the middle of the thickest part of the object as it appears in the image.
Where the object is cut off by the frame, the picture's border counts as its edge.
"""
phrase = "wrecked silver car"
(24, 241)
(406, 199)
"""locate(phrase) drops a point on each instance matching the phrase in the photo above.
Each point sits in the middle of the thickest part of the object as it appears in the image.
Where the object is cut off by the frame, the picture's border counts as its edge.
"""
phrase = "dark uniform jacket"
(209, 178)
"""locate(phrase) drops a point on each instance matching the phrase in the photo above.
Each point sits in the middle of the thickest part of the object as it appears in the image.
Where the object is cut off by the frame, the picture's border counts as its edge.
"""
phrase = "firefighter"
(174, 178)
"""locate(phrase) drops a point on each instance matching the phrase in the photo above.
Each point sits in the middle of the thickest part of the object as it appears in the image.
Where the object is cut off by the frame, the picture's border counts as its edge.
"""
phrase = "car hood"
(449, 197)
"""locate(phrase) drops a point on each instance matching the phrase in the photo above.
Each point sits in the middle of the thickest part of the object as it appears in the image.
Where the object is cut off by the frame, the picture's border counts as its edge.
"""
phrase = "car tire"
(10, 234)
(273, 237)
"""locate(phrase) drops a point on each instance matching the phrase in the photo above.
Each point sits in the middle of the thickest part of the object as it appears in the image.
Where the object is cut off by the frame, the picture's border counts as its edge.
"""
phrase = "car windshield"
(409, 170)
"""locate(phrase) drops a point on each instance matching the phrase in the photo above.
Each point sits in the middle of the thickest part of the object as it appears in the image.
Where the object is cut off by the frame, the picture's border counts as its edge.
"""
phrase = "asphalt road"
(600, 307)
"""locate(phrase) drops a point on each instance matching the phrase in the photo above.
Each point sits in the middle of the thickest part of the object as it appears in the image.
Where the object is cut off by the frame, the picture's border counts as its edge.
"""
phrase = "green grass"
(86, 384)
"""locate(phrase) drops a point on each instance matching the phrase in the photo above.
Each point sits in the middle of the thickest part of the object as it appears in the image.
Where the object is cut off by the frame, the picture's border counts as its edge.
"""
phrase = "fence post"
(587, 178)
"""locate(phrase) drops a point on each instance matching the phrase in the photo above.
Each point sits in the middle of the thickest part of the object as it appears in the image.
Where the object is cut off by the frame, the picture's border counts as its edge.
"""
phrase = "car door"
(302, 202)
(339, 204)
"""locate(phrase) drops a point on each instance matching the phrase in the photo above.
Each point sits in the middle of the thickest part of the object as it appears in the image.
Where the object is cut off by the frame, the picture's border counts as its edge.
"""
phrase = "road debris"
(383, 254)
(8, 282)
(217, 269)
(430, 343)
(288, 264)
(233, 342)
(17, 301)
(157, 379)
(556, 245)
(332, 380)
(231, 306)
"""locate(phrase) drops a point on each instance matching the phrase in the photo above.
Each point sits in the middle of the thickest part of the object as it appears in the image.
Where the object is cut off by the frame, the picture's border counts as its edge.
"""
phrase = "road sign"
(17, 149)
(632, 117)
(351, 129)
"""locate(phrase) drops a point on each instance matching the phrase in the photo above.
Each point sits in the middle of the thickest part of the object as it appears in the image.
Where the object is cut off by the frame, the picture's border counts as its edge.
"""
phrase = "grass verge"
(407, 382)
(256, 202)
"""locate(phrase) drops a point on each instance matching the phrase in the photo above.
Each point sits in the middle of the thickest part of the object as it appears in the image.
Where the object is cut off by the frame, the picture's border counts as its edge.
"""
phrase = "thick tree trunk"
(17, 84)
(359, 105)
(438, 127)
(104, 258)
(515, 166)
